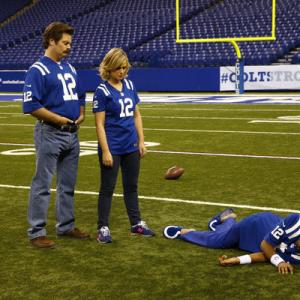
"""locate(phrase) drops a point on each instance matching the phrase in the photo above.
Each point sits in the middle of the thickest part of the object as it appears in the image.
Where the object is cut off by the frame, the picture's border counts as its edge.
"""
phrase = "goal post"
(239, 66)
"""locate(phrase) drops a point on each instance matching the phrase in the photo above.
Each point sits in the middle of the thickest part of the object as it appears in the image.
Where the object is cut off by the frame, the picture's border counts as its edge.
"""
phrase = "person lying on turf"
(266, 236)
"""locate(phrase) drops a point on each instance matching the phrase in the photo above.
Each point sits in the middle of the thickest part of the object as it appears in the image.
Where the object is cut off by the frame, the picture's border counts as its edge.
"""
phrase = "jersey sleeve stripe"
(104, 87)
(104, 91)
(130, 82)
(72, 68)
(39, 68)
(296, 226)
(43, 66)
(297, 257)
(127, 84)
(296, 234)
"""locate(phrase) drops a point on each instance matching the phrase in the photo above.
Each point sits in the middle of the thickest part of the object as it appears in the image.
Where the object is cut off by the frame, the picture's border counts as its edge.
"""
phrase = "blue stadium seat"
(146, 30)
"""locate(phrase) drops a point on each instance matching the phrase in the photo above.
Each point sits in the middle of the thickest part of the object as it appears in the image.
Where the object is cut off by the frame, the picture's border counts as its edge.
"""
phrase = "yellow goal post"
(233, 40)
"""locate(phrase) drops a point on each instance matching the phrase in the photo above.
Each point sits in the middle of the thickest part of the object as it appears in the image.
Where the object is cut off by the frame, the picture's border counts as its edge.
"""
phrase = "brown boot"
(42, 242)
(75, 234)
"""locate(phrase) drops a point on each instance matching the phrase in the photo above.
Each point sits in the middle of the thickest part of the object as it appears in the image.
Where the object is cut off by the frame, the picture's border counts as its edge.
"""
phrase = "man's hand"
(285, 268)
(65, 121)
(224, 261)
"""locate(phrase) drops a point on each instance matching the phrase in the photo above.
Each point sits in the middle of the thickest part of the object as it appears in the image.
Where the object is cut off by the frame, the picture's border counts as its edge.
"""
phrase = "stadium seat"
(146, 30)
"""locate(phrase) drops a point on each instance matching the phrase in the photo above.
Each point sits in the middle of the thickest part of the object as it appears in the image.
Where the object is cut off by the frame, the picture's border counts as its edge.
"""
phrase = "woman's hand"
(107, 159)
(142, 149)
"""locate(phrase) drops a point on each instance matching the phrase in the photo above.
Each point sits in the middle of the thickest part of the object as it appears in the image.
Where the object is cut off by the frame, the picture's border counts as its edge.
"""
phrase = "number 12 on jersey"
(126, 107)
(68, 84)
(277, 232)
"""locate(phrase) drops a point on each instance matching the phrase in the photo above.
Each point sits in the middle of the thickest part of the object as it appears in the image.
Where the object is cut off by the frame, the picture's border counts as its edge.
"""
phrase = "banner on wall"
(12, 80)
(281, 77)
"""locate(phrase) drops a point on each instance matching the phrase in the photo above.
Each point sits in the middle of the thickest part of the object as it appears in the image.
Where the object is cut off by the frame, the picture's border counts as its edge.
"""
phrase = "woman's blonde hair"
(113, 60)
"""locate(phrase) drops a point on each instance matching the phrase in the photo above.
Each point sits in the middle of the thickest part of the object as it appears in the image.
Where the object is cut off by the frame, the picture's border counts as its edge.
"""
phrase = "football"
(174, 173)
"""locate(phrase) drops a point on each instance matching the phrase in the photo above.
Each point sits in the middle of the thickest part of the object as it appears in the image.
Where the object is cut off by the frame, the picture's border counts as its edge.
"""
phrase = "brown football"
(174, 173)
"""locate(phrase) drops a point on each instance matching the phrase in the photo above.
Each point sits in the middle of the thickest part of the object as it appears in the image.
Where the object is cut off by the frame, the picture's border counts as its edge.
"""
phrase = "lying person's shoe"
(220, 218)
(172, 232)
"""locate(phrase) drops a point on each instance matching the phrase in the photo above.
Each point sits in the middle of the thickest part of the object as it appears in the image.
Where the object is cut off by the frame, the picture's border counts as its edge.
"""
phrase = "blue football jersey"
(54, 86)
(119, 107)
(254, 228)
(284, 235)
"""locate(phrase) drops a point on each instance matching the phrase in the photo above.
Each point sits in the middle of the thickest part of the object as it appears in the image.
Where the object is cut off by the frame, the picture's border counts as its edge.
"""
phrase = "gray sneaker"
(104, 236)
(220, 218)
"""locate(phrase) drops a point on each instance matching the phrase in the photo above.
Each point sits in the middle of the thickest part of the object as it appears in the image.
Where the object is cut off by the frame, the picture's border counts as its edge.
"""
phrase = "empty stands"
(146, 30)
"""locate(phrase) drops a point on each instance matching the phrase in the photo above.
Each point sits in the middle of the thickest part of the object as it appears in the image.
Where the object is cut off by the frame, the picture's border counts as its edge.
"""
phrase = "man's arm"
(270, 253)
(48, 116)
(238, 260)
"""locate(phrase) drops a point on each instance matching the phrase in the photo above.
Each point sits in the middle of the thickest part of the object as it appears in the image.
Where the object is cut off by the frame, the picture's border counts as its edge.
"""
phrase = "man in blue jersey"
(52, 95)
(121, 142)
(266, 236)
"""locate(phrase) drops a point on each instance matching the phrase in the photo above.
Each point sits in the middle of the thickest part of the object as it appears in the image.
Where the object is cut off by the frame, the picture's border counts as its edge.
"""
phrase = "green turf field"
(258, 165)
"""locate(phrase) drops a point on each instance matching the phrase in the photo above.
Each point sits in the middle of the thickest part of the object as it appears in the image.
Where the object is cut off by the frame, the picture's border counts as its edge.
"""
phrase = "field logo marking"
(283, 119)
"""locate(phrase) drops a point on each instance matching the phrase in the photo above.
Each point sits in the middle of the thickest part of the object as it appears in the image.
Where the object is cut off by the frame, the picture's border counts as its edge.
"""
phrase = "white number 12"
(68, 87)
(277, 232)
(126, 106)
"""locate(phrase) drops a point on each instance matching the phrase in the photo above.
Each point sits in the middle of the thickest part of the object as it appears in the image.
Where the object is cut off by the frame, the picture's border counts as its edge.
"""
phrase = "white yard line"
(23, 125)
(183, 152)
(225, 155)
(173, 200)
(184, 130)
(204, 118)
(232, 109)
(275, 121)
(87, 115)
(223, 131)
(12, 144)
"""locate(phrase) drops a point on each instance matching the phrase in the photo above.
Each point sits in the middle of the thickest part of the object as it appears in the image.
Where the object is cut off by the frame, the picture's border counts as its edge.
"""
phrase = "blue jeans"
(56, 151)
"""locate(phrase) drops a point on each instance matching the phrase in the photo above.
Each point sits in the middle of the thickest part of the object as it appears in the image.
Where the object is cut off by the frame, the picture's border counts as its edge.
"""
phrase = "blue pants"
(130, 167)
(246, 234)
(56, 151)
(225, 236)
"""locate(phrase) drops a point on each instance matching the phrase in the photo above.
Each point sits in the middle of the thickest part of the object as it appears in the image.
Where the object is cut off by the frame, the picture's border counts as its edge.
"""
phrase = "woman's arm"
(139, 128)
(82, 115)
(106, 155)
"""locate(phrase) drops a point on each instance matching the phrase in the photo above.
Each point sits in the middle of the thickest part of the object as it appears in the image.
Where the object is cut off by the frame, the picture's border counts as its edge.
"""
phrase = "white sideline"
(263, 208)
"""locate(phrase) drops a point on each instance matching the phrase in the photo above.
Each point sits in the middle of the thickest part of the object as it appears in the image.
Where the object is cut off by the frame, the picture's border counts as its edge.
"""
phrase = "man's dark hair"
(54, 31)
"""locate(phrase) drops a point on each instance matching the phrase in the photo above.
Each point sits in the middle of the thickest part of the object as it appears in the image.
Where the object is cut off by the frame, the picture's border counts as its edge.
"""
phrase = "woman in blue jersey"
(266, 236)
(121, 141)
